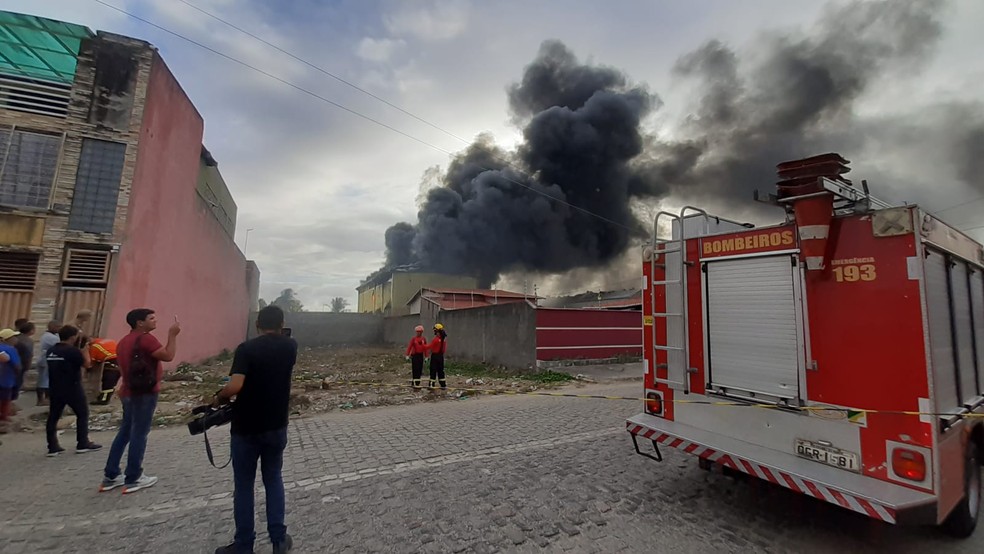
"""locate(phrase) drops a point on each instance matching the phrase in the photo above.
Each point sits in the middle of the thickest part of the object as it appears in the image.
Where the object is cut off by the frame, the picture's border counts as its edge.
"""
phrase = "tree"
(338, 304)
(263, 303)
(288, 302)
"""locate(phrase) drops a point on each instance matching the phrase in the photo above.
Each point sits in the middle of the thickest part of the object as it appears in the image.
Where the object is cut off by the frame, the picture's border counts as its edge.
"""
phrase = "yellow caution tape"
(674, 401)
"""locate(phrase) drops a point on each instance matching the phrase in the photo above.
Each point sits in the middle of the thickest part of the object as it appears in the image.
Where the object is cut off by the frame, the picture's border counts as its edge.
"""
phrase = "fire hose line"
(674, 401)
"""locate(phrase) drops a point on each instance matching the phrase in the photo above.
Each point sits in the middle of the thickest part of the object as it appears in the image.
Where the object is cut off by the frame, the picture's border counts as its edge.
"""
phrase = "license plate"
(827, 455)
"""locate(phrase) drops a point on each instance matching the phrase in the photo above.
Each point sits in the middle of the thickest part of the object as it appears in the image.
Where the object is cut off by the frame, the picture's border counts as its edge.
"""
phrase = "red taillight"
(654, 403)
(909, 464)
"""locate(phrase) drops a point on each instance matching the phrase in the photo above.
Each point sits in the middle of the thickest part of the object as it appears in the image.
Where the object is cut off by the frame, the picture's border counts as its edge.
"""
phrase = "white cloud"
(434, 21)
(378, 49)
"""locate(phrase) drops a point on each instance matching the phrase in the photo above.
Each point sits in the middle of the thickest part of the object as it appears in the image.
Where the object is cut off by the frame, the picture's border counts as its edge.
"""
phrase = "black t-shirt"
(267, 362)
(64, 367)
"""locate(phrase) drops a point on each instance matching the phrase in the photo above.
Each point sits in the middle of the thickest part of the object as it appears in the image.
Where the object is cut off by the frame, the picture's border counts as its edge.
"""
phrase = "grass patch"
(549, 377)
(471, 369)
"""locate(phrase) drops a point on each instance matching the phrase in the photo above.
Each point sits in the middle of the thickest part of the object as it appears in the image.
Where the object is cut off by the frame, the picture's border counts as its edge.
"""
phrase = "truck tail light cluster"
(654, 403)
(909, 464)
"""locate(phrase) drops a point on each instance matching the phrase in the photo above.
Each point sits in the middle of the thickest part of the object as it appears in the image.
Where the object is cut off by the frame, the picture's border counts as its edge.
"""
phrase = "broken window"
(97, 186)
(28, 163)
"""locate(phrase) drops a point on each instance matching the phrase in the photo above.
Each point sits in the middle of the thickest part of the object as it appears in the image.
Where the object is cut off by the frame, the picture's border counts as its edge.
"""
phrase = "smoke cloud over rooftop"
(588, 145)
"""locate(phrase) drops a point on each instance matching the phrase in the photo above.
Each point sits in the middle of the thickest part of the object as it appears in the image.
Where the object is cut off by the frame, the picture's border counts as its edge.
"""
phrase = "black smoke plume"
(796, 98)
(585, 144)
(500, 210)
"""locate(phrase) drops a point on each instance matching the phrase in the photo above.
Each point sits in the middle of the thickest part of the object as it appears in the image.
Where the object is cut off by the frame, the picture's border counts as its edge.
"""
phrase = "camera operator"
(260, 381)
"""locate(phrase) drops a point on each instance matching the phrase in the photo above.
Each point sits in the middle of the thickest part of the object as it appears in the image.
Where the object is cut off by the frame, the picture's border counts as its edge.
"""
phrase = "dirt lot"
(323, 382)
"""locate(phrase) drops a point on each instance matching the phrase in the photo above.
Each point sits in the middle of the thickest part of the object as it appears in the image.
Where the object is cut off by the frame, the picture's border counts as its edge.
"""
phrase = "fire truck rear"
(839, 354)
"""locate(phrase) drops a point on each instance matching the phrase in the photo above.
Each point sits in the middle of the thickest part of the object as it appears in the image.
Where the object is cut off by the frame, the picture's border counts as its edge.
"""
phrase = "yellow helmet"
(438, 327)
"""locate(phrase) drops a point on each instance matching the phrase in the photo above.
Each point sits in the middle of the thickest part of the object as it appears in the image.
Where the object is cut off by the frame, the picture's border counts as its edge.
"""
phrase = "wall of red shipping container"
(571, 334)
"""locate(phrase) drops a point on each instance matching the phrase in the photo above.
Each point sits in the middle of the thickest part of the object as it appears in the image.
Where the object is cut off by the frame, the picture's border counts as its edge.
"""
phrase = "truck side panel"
(955, 311)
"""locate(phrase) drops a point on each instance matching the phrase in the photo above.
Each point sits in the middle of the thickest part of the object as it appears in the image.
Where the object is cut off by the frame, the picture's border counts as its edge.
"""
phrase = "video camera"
(209, 417)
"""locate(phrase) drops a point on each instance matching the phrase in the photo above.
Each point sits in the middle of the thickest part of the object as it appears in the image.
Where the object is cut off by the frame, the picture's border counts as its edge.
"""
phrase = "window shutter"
(18, 270)
(87, 266)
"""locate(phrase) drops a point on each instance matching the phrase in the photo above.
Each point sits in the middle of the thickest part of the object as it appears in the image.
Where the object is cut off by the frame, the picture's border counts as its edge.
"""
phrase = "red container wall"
(565, 334)
(176, 258)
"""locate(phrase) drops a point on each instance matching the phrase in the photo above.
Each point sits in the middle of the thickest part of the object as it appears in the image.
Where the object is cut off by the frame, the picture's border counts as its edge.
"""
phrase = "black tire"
(963, 520)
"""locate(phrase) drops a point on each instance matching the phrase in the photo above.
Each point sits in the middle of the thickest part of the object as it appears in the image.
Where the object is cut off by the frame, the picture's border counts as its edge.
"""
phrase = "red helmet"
(101, 350)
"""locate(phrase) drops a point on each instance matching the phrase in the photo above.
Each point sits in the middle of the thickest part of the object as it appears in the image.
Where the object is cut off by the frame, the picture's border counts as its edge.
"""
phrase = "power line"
(960, 205)
(350, 110)
(272, 76)
(325, 71)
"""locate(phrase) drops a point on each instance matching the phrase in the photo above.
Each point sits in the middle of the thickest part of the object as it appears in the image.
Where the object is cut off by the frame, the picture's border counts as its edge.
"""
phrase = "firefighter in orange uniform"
(103, 351)
(415, 353)
(437, 348)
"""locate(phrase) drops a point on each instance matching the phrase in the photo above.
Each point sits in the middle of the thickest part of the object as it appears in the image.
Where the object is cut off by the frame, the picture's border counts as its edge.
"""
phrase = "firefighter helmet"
(419, 328)
(438, 327)
(101, 350)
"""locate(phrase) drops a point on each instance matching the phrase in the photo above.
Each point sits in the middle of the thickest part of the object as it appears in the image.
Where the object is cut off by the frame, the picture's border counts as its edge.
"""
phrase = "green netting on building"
(39, 48)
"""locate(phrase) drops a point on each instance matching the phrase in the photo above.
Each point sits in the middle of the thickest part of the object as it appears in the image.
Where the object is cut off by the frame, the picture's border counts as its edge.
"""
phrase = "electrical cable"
(352, 111)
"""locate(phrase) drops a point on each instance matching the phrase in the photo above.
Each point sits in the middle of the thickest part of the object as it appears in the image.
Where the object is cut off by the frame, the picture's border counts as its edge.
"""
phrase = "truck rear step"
(871, 497)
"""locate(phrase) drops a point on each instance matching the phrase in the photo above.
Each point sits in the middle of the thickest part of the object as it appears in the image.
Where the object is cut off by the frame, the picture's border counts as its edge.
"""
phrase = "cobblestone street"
(514, 473)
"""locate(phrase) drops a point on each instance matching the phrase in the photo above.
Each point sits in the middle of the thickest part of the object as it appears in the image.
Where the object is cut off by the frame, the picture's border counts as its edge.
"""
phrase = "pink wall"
(176, 259)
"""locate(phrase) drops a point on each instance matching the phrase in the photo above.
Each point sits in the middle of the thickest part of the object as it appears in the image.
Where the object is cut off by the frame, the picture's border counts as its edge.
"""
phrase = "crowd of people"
(260, 381)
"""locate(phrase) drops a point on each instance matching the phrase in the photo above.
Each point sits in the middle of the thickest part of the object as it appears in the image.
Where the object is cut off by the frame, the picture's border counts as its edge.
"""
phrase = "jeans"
(42, 376)
(268, 447)
(74, 399)
(138, 415)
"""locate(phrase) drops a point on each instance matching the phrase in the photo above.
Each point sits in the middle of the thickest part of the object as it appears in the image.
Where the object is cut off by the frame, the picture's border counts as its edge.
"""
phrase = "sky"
(318, 186)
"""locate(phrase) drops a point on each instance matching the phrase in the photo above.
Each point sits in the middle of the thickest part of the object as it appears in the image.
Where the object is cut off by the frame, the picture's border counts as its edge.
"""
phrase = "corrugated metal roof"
(40, 48)
(482, 292)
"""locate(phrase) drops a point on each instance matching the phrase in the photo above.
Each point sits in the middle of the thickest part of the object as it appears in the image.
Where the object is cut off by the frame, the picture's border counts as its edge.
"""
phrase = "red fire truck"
(839, 354)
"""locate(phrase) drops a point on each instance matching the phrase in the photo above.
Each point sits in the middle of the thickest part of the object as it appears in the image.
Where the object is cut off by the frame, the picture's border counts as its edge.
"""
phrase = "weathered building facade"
(389, 292)
(108, 200)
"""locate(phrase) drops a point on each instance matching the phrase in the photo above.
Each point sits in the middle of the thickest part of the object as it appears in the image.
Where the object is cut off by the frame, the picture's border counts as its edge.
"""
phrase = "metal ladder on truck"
(670, 254)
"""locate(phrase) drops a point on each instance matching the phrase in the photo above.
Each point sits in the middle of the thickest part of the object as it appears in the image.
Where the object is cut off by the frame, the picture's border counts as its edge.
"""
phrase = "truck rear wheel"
(963, 520)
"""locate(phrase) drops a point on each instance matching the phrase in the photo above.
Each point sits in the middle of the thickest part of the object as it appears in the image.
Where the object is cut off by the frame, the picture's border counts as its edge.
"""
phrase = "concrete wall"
(328, 329)
(501, 335)
(176, 257)
(398, 330)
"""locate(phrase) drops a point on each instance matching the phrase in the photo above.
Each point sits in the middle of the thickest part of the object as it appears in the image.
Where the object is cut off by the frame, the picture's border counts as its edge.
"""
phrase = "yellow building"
(389, 292)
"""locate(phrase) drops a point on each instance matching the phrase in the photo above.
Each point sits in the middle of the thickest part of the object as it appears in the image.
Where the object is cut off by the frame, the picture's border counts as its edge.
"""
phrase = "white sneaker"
(110, 484)
(143, 482)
